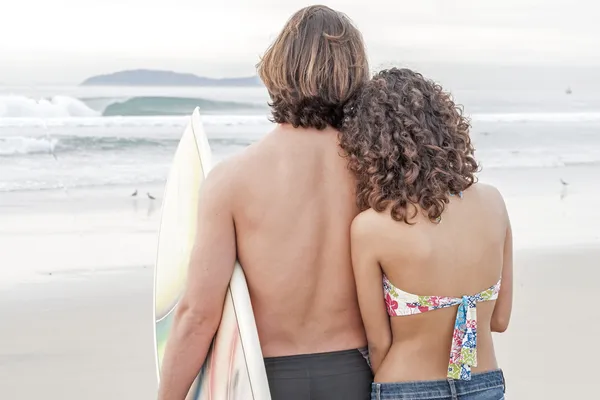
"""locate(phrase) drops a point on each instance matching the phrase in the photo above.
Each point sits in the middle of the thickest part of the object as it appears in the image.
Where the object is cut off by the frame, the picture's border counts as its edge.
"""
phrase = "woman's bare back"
(294, 203)
(463, 254)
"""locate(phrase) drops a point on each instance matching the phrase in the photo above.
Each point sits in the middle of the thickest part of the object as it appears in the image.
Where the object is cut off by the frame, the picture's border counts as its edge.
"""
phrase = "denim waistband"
(445, 388)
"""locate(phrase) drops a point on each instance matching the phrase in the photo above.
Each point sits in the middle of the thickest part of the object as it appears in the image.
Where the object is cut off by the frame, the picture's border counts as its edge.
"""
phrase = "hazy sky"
(65, 41)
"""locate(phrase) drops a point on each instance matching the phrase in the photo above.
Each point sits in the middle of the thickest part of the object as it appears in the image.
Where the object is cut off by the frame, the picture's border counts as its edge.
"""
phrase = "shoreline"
(104, 227)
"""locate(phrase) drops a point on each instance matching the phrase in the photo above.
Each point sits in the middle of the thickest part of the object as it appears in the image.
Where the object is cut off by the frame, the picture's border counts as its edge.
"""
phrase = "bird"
(134, 194)
(563, 192)
(150, 196)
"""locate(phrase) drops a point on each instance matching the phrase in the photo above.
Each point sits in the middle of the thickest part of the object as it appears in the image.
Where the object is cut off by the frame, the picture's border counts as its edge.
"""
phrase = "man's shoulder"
(223, 173)
(228, 173)
(220, 181)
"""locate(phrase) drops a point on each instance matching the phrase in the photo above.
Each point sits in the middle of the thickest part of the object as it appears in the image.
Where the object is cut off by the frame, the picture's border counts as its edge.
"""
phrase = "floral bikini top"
(463, 353)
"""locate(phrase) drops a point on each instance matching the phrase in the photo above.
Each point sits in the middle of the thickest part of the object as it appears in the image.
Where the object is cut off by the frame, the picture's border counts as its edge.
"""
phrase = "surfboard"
(234, 368)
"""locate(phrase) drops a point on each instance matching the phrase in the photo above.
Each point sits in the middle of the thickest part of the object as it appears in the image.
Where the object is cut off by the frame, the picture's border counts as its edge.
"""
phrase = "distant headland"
(147, 77)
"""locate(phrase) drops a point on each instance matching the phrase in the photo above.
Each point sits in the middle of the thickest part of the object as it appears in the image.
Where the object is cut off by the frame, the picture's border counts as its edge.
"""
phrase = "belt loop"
(452, 389)
(378, 390)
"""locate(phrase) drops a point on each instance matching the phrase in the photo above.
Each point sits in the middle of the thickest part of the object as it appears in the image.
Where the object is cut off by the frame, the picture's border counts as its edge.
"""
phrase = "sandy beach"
(79, 336)
(76, 302)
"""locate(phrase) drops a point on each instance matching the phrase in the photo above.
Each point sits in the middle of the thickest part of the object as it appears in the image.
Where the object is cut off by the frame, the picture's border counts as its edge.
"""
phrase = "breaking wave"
(17, 145)
(157, 106)
(22, 146)
(13, 106)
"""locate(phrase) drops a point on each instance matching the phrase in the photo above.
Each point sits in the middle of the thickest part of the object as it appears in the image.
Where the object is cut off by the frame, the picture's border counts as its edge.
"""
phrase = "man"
(283, 207)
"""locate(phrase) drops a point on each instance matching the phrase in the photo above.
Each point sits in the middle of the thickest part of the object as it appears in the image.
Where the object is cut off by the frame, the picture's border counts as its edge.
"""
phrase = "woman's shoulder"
(486, 191)
(490, 196)
(367, 224)
(372, 225)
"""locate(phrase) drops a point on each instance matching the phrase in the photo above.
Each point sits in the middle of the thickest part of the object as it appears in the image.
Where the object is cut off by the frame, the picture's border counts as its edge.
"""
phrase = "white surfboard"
(234, 368)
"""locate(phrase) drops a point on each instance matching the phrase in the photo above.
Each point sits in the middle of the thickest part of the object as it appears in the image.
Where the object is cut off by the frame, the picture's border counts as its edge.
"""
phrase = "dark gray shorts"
(339, 375)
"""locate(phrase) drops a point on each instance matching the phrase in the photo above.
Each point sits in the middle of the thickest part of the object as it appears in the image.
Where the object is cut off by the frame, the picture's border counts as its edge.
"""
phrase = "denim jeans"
(482, 386)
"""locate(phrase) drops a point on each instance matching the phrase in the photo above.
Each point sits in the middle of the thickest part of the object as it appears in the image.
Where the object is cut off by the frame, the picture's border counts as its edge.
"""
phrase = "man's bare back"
(293, 206)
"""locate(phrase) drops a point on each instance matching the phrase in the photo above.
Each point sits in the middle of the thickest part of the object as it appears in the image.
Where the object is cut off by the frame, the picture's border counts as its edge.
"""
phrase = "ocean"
(64, 138)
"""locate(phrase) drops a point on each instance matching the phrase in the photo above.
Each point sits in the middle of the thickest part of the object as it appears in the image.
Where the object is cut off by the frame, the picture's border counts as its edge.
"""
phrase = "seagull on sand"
(564, 190)
(150, 196)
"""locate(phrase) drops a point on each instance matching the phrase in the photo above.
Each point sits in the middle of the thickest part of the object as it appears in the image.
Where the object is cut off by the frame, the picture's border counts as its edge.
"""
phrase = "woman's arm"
(369, 286)
(503, 307)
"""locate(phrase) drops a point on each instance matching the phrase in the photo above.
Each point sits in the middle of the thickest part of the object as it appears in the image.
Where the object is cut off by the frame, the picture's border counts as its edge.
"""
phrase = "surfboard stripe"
(232, 356)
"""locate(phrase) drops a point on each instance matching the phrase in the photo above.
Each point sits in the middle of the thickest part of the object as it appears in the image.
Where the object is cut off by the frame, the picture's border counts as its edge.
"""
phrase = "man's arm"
(198, 314)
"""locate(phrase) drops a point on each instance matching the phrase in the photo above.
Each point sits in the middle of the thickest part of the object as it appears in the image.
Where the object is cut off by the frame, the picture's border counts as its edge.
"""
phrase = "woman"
(431, 249)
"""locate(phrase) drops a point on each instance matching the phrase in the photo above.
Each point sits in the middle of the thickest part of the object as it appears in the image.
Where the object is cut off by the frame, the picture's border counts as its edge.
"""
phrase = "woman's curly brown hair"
(408, 144)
